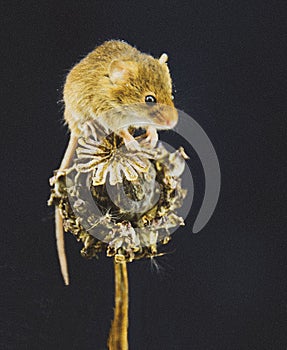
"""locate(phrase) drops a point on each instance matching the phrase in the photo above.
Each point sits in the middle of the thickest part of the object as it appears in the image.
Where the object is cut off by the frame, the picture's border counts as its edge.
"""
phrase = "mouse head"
(145, 84)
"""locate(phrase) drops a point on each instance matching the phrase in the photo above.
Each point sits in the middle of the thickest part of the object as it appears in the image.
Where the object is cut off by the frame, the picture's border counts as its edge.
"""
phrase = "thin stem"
(118, 338)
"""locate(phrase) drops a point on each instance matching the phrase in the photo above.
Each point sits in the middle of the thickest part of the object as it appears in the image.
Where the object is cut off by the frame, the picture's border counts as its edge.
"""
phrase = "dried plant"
(122, 203)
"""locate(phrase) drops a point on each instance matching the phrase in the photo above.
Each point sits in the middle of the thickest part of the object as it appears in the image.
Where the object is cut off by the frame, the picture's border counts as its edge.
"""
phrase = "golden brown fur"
(113, 76)
(89, 90)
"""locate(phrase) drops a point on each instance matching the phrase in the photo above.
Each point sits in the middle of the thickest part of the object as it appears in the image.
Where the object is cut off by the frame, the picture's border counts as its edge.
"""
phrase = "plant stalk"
(118, 337)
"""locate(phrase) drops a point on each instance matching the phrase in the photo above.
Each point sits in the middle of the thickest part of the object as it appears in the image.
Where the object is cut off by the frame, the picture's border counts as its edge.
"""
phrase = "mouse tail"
(61, 246)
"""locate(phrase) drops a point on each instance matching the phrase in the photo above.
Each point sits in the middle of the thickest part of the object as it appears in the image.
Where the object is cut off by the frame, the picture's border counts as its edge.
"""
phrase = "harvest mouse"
(112, 76)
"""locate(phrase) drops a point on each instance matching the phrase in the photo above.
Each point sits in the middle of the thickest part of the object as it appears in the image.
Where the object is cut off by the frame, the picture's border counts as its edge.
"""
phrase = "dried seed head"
(136, 195)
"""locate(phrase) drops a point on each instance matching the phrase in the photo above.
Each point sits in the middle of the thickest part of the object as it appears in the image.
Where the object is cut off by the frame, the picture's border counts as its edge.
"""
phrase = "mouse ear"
(121, 71)
(163, 58)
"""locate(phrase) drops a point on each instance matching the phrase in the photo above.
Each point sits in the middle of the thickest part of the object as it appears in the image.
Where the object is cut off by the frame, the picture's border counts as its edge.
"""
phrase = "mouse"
(119, 87)
(113, 75)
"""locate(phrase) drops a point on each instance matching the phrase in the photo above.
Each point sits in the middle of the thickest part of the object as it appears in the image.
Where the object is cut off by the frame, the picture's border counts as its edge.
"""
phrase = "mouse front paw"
(129, 141)
(151, 138)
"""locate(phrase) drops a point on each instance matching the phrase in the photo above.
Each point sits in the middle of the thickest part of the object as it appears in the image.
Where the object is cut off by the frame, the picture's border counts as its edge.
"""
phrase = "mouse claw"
(151, 137)
(130, 142)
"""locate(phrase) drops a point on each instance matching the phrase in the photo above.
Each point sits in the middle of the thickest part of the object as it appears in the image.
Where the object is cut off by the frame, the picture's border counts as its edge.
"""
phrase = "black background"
(224, 288)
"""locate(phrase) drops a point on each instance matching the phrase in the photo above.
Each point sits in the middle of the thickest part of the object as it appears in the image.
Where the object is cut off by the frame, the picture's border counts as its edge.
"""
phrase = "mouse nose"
(173, 118)
(168, 116)
(171, 123)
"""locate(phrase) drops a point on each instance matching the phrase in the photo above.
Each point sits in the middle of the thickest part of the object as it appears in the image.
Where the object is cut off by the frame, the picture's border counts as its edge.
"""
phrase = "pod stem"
(118, 337)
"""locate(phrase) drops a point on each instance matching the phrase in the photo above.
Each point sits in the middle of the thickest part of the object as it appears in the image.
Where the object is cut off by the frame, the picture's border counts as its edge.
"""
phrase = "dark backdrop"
(222, 289)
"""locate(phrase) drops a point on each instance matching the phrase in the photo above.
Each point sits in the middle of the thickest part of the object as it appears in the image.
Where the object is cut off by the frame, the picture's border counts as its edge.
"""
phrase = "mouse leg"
(151, 137)
(130, 142)
(58, 217)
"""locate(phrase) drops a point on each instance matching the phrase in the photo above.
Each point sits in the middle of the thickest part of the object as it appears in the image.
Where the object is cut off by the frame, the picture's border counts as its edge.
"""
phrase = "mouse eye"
(149, 99)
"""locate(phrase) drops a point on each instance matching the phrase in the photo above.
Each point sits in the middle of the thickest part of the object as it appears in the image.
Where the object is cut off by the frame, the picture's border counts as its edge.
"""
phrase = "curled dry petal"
(100, 174)
(140, 164)
(129, 172)
(116, 175)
